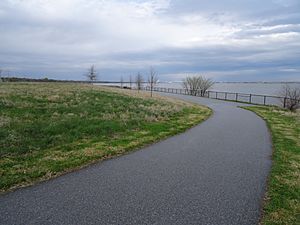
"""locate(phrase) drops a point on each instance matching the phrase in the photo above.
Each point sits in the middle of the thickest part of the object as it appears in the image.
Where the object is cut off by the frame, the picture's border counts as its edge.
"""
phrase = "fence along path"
(228, 96)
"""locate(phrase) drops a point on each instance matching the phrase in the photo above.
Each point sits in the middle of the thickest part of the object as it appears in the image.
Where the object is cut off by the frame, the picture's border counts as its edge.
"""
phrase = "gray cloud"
(235, 40)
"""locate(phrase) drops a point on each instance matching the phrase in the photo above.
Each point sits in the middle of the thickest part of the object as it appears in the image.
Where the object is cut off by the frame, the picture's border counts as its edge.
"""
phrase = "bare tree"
(130, 81)
(197, 84)
(291, 97)
(121, 82)
(206, 83)
(152, 79)
(139, 81)
(92, 74)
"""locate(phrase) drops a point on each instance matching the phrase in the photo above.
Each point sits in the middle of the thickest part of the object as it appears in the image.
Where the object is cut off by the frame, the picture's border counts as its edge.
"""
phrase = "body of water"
(272, 89)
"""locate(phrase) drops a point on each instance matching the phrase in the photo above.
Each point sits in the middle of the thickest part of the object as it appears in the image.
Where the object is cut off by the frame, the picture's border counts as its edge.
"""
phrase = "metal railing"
(228, 96)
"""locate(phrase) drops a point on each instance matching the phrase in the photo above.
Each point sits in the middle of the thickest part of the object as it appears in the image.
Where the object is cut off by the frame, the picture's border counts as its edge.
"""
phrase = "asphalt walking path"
(215, 173)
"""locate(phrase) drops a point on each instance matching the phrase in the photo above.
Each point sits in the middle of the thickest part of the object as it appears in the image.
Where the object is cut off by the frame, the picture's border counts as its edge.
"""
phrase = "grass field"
(282, 205)
(47, 129)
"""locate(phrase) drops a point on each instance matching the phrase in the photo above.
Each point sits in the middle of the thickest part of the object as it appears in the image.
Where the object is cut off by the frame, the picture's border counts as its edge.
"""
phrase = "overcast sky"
(227, 40)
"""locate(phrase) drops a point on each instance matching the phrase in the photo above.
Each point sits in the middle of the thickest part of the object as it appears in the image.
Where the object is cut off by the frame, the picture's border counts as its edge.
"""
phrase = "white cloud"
(110, 26)
(74, 33)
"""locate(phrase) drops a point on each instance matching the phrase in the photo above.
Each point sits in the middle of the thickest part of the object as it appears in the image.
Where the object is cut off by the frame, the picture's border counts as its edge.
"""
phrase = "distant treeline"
(23, 79)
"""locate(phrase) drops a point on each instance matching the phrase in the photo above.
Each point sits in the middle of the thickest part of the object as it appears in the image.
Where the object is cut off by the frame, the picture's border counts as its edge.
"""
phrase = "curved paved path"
(214, 173)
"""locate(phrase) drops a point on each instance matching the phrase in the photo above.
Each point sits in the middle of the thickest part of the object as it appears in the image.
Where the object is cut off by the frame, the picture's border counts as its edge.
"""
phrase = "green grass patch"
(282, 205)
(47, 129)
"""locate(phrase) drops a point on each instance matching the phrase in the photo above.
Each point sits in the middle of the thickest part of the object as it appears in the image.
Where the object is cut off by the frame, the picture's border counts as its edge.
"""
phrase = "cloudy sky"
(227, 40)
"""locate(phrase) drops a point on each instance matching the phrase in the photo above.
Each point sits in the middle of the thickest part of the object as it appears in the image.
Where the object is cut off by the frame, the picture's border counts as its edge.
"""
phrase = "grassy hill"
(282, 201)
(47, 129)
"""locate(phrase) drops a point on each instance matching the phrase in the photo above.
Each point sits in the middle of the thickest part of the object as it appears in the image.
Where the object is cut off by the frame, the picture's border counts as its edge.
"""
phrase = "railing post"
(216, 95)
(236, 97)
(284, 102)
(265, 100)
(225, 95)
(208, 93)
(250, 98)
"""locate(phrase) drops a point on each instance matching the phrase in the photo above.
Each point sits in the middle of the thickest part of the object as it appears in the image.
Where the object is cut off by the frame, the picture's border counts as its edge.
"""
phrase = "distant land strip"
(23, 79)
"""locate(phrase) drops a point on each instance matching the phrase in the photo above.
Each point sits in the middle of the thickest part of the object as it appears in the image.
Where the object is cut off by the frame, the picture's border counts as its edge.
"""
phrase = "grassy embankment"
(282, 204)
(47, 128)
